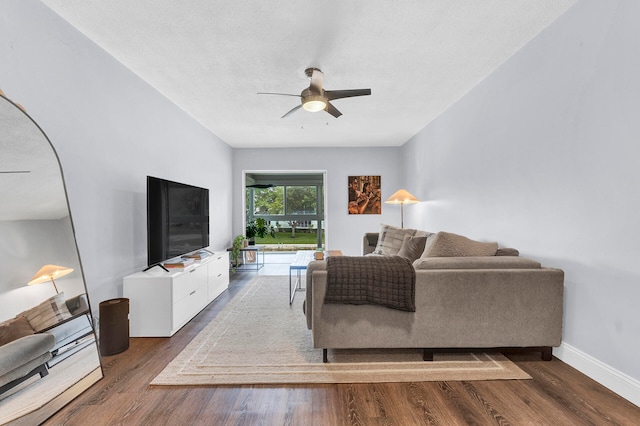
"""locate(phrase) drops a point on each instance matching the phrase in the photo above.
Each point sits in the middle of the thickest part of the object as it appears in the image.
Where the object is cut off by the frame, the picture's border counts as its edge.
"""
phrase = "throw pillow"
(48, 313)
(390, 239)
(412, 247)
(14, 329)
(446, 244)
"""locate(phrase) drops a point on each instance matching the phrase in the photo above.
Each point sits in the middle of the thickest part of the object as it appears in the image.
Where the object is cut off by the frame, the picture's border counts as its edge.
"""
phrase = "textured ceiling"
(211, 57)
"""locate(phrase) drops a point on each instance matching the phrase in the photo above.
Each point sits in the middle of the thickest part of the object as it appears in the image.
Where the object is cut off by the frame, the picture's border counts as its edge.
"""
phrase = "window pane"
(268, 201)
(301, 200)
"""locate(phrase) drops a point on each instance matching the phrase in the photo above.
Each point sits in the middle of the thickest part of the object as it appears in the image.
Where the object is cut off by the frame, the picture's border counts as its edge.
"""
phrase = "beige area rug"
(259, 339)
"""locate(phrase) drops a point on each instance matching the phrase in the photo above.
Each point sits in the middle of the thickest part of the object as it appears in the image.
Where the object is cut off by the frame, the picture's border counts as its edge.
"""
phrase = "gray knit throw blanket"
(375, 280)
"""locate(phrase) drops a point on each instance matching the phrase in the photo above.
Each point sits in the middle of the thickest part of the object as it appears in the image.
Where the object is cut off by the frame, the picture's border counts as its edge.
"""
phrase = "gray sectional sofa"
(33, 340)
(461, 302)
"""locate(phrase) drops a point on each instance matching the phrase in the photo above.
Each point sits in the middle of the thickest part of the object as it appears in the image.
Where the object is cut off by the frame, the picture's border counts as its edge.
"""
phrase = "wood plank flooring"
(557, 395)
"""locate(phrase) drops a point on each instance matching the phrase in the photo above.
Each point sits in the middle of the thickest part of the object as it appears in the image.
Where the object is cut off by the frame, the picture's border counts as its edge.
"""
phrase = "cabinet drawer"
(219, 266)
(188, 282)
(187, 307)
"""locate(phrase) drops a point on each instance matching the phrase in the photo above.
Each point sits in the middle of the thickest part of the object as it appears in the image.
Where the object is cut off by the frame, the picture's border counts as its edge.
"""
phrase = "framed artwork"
(364, 195)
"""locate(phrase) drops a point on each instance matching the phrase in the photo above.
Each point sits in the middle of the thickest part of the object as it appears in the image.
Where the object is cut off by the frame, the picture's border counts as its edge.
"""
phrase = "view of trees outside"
(291, 209)
(300, 200)
(267, 201)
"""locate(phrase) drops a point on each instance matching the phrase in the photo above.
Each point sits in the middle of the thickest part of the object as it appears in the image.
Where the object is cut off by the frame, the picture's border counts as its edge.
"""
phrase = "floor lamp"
(402, 197)
(48, 273)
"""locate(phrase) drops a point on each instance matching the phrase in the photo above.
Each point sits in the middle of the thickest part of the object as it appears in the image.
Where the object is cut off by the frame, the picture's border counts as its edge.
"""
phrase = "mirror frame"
(45, 409)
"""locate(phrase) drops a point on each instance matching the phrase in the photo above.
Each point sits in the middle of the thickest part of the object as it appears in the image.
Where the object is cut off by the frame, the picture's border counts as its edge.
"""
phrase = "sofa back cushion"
(476, 262)
(446, 244)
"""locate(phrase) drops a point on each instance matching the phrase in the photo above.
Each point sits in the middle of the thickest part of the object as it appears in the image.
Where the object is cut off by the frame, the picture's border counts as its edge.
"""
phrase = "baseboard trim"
(620, 383)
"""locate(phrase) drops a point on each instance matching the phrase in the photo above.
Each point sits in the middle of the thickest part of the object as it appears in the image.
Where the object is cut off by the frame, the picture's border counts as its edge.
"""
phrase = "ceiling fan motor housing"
(312, 100)
(309, 71)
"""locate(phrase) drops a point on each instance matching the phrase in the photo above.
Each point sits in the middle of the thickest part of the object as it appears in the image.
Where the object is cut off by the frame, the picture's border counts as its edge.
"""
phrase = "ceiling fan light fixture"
(314, 98)
(314, 103)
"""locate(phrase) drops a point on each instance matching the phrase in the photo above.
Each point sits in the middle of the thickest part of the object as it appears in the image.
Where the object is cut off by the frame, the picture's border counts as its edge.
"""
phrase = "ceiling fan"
(261, 185)
(315, 98)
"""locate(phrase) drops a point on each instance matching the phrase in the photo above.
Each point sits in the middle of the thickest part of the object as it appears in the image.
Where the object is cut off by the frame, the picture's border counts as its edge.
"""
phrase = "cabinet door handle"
(219, 275)
(193, 270)
(192, 293)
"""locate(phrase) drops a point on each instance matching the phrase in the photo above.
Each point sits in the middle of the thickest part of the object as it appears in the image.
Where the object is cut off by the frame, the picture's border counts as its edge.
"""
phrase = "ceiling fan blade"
(292, 111)
(339, 94)
(317, 77)
(332, 110)
(261, 185)
(280, 94)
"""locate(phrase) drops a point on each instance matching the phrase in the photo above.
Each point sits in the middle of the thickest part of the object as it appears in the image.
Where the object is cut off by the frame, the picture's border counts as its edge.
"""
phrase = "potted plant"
(238, 243)
(259, 228)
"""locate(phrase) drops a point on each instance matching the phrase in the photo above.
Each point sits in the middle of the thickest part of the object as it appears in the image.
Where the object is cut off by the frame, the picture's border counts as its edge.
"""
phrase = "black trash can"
(114, 326)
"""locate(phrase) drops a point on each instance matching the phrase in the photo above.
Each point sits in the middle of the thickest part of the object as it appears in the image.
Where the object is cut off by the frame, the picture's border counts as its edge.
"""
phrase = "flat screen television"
(177, 219)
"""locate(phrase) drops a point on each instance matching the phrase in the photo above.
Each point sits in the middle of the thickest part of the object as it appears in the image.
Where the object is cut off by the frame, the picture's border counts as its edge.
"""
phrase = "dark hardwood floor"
(557, 395)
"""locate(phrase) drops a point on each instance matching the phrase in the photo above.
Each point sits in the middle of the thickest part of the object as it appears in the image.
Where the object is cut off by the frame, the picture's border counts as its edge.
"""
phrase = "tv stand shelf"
(160, 303)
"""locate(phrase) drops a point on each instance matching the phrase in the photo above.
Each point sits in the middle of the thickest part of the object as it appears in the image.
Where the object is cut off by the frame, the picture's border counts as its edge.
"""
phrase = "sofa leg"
(547, 353)
(41, 370)
(325, 359)
(427, 355)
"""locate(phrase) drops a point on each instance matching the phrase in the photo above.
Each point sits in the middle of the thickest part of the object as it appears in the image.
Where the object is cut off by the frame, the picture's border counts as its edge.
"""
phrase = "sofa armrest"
(316, 265)
(23, 350)
(77, 304)
(369, 242)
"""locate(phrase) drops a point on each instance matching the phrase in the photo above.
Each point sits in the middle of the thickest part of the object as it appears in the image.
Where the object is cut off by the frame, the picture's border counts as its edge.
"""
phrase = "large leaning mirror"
(48, 349)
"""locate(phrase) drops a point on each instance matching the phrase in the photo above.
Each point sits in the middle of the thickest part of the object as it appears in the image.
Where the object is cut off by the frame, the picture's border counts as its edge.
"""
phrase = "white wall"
(110, 130)
(344, 231)
(543, 156)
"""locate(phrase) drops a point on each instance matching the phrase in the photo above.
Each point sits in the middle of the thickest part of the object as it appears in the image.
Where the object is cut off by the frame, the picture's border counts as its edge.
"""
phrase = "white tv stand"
(161, 302)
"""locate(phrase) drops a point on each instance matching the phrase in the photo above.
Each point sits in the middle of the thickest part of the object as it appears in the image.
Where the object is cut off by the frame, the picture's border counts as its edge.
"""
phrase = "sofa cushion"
(47, 313)
(390, 239)
(14, 329)
(446, 244)
(476, 262)
(412, 247)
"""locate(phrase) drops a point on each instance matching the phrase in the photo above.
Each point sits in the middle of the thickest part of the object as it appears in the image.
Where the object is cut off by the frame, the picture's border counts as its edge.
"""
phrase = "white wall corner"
(620, 383)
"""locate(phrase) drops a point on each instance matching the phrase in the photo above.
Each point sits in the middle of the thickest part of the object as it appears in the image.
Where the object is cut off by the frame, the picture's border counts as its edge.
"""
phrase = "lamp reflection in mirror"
(402, 197)
(48, 273)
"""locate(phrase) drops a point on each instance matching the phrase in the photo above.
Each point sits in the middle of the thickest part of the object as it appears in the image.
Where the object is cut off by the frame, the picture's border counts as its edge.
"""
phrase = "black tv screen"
(177, 219)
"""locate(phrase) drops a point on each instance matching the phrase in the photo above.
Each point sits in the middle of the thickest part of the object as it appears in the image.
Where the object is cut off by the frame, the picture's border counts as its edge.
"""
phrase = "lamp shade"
(402, 196)
(48, 273)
